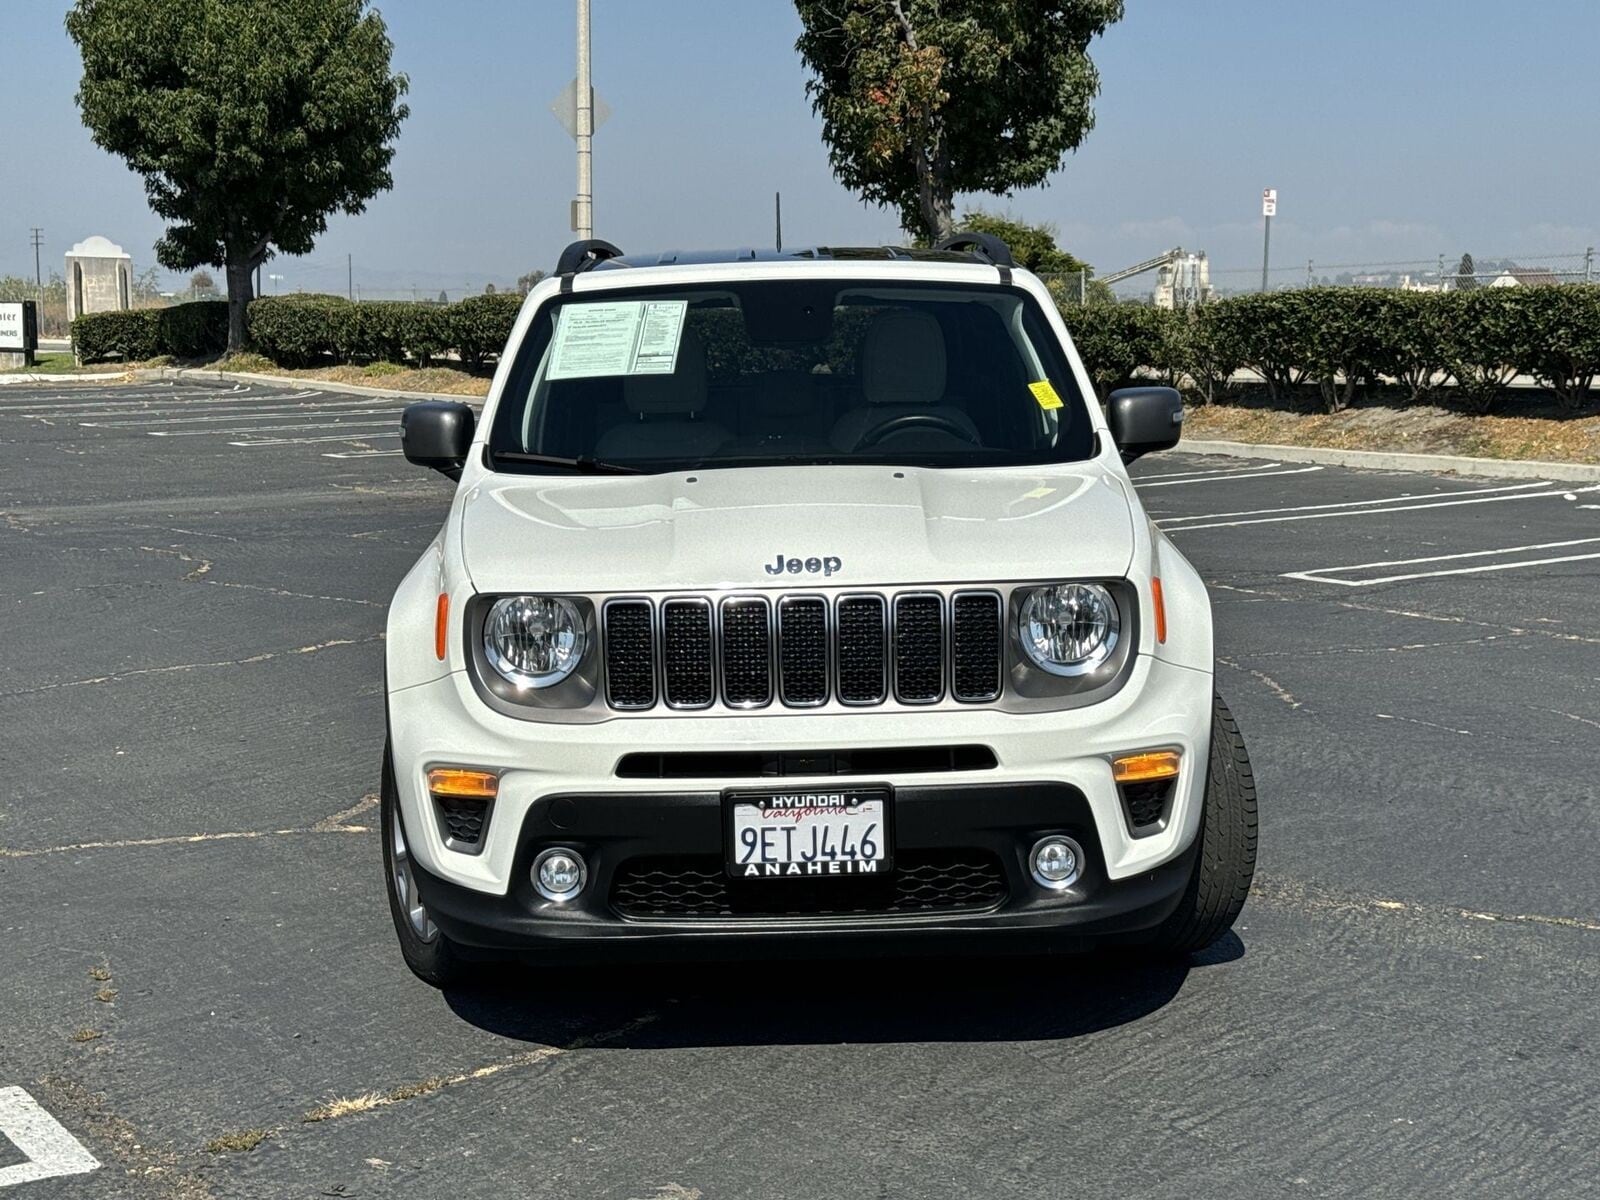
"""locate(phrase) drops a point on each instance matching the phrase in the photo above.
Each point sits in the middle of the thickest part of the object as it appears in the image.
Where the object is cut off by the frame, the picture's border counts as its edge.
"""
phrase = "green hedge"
(1344, 339)
(304, 330)
(183, 331)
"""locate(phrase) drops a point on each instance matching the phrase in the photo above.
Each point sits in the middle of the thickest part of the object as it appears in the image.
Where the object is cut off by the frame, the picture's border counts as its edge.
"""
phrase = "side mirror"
(1144, 419)
(437, 434)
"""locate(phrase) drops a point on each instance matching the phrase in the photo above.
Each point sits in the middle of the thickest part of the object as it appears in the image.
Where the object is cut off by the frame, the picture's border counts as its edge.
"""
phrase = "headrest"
(684, 391)
(902, 359)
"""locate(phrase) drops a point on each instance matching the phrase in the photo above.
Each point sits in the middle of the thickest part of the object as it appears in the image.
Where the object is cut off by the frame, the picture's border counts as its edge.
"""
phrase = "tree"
(1466, 274)
(201, 284)
(444, 297)
(922, 99)
(250, 120)
(488, 289)
(146, 288)
(1033, 246)
(526, 283)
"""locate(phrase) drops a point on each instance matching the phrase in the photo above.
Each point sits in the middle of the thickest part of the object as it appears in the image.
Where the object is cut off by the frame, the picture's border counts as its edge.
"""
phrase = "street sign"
(1269, 202)
(565, 107)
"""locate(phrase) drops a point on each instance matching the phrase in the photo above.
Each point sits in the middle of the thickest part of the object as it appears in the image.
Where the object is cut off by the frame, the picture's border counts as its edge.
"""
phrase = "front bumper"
(1037, 755)
(996, 822)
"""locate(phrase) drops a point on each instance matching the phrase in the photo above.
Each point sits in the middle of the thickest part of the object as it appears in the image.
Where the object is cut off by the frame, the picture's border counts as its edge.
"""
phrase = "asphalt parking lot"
(195, 946)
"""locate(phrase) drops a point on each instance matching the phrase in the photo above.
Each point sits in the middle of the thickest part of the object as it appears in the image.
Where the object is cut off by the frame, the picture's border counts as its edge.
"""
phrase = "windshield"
(790, 371)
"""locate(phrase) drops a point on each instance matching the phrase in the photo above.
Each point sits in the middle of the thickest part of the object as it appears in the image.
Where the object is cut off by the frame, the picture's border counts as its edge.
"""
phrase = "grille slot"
(746, 764)
(630, 639)
(862, 634)
(975, 646)
(697, 887)
(687, 675)
(1146, 802)
(747, 652)
(463, 819)
(803, 650)
(918, 648)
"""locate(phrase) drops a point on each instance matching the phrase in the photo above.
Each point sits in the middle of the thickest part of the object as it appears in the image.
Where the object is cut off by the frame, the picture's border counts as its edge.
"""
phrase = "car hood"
(833, 526)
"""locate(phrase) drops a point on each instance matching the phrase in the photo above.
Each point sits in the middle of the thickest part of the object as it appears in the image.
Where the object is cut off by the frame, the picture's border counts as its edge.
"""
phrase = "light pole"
(583, 205)
(1269, 209)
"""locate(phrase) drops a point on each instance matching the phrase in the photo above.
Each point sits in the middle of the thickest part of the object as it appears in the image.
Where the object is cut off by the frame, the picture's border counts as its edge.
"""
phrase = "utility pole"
(1269, 208)
(37, 236)
(1309, 273)
(583, 205)
(777, 220)
(1588, 265)
(350, 276)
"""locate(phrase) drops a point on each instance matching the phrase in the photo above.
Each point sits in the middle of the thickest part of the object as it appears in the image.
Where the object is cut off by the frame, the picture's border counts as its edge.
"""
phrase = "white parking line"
(1368, 510)
(128, 412)
(50, 1149)
(133, 399)
(1229, 477)
(1402, 498)
(368, 423)
(305, 441)
(1243, 467)
(1321, 574)
(245, 414)
(361, 453)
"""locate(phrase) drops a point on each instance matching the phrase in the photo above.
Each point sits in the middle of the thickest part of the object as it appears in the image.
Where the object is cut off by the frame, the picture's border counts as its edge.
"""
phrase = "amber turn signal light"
(441, 625)
(453, 781)
(1160, 607)
(1142, 768)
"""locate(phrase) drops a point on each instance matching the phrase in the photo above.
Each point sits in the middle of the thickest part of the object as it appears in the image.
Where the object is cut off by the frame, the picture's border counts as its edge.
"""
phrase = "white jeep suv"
(801, 601)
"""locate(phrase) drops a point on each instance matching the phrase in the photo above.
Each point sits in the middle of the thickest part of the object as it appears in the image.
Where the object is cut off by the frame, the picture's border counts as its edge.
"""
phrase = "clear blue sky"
(1393, 129)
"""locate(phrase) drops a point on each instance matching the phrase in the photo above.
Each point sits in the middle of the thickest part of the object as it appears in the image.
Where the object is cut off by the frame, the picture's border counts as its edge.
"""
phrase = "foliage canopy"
(250, 120)
(924, 99)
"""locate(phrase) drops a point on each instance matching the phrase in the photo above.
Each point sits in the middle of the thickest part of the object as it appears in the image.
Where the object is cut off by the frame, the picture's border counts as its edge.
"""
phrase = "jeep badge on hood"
(811, 566)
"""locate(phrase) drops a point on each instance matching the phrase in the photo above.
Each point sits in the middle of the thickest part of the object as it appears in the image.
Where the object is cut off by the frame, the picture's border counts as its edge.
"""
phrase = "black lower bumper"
(1001, 822)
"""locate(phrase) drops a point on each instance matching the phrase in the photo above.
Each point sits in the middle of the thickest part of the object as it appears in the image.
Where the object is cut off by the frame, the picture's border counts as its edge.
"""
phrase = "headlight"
(534, 641)
(1069, 628)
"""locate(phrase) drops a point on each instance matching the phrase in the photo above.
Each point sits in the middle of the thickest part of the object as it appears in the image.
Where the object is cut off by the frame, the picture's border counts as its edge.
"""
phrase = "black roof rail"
(580, 256)
(983, 245)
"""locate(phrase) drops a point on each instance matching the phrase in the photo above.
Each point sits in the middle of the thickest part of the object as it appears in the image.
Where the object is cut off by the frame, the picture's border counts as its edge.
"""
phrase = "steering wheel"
(916, 421)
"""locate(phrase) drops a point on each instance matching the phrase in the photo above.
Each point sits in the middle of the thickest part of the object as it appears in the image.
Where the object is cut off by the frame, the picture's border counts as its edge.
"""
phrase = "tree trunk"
(938, 205)
(935, 200)
(239, 296)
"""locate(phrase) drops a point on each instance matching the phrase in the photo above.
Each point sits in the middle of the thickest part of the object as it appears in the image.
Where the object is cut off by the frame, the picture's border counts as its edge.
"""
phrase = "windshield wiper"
(584, 464)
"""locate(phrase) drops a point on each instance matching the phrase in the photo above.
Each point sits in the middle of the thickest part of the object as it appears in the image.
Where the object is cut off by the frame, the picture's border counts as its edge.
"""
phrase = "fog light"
(1057, 863)
(559, 874)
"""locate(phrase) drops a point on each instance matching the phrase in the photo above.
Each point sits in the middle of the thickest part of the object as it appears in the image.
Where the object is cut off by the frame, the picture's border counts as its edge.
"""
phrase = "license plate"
(809, 834)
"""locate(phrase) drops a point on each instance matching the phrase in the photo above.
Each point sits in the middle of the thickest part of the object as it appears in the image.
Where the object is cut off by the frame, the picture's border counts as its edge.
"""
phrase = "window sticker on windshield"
(625, 337)
(1045, 394)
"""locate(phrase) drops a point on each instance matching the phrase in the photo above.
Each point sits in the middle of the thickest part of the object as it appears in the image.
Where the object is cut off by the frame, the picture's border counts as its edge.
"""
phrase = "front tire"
(1225, 859)
(432, 957)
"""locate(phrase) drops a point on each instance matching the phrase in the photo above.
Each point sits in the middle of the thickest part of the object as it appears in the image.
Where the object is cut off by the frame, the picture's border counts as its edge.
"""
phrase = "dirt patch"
(448, 380)
(242, 1142)
(1533, 431)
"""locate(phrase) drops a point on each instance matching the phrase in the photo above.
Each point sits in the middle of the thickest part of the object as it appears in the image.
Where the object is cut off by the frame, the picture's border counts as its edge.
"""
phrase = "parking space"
(242, 416)
(202, 992)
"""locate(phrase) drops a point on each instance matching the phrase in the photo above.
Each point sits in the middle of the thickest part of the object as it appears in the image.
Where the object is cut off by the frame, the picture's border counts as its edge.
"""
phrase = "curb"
(35, 377)
(1389, 460)
(321, 385)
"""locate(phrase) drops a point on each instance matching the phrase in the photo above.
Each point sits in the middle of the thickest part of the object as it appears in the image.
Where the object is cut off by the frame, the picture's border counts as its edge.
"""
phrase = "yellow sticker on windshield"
(1045, 394)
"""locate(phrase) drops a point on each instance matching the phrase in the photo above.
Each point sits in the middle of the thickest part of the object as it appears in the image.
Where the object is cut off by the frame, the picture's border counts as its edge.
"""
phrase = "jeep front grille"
(803, 651)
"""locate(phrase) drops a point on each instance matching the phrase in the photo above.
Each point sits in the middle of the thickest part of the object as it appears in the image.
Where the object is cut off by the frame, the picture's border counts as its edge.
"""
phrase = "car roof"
(863, 254)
